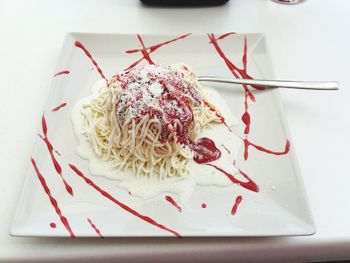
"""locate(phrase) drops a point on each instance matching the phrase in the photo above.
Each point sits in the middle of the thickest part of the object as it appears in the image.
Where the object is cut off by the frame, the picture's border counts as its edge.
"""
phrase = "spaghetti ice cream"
(145, 123)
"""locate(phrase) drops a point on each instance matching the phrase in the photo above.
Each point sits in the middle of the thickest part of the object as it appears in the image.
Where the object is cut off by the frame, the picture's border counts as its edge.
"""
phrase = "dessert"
(148, 122)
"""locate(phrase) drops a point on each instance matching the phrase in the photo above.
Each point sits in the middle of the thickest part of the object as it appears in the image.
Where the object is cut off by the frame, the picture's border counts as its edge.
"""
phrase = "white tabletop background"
(310, 41)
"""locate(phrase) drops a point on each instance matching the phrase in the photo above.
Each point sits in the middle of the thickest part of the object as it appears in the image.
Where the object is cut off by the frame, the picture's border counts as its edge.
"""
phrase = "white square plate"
(280, 208)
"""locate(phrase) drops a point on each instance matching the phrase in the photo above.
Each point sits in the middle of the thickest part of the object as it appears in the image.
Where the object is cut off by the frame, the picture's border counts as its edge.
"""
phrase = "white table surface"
(307, 41)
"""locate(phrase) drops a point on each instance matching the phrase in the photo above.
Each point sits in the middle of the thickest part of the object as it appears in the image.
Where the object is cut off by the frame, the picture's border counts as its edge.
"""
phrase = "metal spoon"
(309, 85)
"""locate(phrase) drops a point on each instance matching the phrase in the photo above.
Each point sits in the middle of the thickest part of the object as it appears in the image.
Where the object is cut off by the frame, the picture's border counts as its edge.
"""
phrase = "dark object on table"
(184, 2)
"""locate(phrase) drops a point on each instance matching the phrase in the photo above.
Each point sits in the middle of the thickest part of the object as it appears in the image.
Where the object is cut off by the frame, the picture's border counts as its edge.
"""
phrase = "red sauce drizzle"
(88, 54)
(236, 204)
(52, 225)
(52, 199)
(250, 184)
(213, 109)
(246, 115)
(64, 104)
(238, 73)
(146, 51)
(204, 205)
(226, 149)
(242, 73)
(94, 227)
(262, 149)
(44, 125)
(226, 35)
(172, 201)
(64, 72)
(120, 204)
(52, 155)
(204, 150)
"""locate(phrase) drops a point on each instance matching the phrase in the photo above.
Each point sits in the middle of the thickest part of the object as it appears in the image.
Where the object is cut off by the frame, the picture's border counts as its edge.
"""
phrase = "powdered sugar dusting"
(159, 91)
(156, 89)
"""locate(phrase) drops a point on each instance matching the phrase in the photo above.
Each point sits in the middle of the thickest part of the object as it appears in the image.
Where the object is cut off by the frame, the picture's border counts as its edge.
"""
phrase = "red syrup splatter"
(236, 204)
(64, 104)
(226, 35)
(52, 225)
(237, 72)
(250, 184)
(94, 227)
(52, 199)
(64, 72)
(213, 109)
(204, 150)
(88, 54)
(242, 73)
(246, 116)
(262, 149)
(146, 51)
(52, 155)
(226, 149)
(120, 204)
(204, 205)
(172, 201)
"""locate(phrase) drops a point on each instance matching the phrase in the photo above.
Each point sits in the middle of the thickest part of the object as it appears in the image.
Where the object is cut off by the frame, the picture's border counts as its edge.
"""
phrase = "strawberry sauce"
(236, 204)
(52, 155)
(64, 72)
(262, 149)
(226, 149)
(172, 201)
(242, 73)
(64, 104)
(250, 184)
(52, 200)
(146, 51)
(120, 204)
(88, 54)
(205, 150)
(94, 227)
